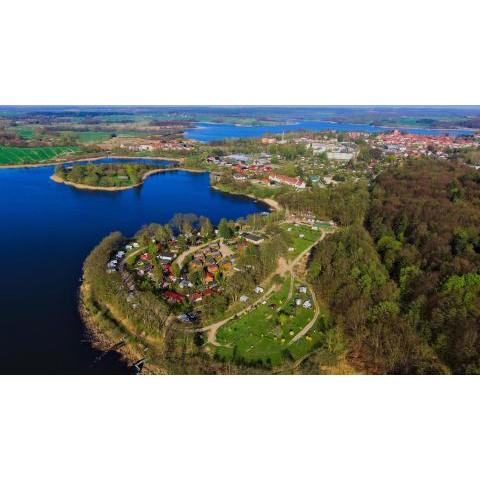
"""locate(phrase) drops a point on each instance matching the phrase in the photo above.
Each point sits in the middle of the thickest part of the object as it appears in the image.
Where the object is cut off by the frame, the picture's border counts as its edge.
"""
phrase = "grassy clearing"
(261, 337)
(27, 155)
(301, 244)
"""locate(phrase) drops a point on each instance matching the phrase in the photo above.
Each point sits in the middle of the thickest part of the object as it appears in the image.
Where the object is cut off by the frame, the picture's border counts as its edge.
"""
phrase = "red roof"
(297, 182)
(195, 297)
(209, 277)
(174, 296)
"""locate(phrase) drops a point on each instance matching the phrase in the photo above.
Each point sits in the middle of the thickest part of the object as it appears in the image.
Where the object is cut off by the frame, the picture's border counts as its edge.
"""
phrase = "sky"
(250, 52)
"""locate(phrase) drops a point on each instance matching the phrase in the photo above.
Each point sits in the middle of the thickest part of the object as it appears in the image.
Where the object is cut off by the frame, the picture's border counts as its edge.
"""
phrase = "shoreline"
(82, 186)
(102, 339)
(90, 159)
(267, 201)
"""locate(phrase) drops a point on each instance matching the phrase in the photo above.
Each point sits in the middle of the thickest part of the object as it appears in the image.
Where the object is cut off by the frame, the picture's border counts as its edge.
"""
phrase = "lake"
(207, 132)
(47, 230)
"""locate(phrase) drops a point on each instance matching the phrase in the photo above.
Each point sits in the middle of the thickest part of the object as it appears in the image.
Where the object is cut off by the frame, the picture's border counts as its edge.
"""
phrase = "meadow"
(300, 244)
(262, 337)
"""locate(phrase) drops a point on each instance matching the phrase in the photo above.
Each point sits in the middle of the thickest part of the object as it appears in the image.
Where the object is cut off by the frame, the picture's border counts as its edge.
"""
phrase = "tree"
(224, 229)
(206, 228)
(175, 269)
(68, 138)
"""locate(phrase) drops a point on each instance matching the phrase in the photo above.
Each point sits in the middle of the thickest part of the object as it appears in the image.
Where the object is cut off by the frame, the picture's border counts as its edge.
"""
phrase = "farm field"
(25, 132)
(27, 155)
(98, 137)
(263, 335)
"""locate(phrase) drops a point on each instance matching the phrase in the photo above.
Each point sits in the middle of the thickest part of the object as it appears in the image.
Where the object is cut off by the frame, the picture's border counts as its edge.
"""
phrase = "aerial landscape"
(240, 240)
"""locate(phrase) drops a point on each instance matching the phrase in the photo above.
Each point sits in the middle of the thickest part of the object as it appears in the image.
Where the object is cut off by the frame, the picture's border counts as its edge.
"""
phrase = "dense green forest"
(402, 277)
(105, 175)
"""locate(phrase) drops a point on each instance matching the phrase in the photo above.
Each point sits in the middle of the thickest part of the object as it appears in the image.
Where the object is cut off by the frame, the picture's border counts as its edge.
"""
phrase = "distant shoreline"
(268, 201)
(82, 186)
(89, 159)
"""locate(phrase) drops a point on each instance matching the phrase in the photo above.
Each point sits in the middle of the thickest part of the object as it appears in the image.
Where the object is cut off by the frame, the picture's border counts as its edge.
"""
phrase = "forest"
(105, 175)
(402, 276)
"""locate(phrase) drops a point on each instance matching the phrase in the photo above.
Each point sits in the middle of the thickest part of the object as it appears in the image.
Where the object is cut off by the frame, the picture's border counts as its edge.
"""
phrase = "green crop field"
(28, 155)
(93, 137)
(25, 132)
(98, 137)
(262, 336)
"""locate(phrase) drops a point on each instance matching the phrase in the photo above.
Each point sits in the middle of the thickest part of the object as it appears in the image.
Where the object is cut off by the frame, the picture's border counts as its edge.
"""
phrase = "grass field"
(262, 336)
(300, 244)
(28, 155)
(25, 132)
(98, 137)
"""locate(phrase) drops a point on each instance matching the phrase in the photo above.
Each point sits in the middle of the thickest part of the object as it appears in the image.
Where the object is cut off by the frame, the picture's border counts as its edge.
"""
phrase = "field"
(98, 137)
(261, 337)
(25, 132)
(301, 244)
(27, 155)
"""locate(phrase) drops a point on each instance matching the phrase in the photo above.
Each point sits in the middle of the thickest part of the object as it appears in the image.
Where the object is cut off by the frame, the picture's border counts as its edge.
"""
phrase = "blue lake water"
(47, 230)
(207, 132)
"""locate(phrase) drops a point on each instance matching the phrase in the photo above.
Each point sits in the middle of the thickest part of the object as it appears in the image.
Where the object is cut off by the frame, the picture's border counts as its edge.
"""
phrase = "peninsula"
(110, 176)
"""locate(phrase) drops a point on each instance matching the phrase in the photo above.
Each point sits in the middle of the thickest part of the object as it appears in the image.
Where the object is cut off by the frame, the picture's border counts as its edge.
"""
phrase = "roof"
(251, 237)
(176, 297)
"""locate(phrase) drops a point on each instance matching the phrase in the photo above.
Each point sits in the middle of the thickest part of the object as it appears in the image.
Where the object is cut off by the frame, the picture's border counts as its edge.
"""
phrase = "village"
(329, 157)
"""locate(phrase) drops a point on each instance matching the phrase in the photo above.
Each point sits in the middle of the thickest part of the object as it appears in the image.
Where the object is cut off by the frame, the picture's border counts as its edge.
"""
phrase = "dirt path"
(213, 329)
(179, 260)
(316, 314)
(311, 323)
(283, 268)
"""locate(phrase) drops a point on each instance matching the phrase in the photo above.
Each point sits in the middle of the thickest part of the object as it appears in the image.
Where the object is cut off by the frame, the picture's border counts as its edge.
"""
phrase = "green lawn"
(262, 336)
(300, 244)
(27, 155)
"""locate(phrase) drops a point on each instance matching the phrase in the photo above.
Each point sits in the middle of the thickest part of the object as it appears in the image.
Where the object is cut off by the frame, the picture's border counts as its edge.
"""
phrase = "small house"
(227, 266)
(195, 297)
(209, 278)
(244, 298)
(250, 237)
(212, 268)
(184, 284)
(196, 265)
(173, 297)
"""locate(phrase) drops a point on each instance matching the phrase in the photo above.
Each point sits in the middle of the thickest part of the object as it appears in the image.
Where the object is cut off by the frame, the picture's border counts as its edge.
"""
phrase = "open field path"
(283, 268)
